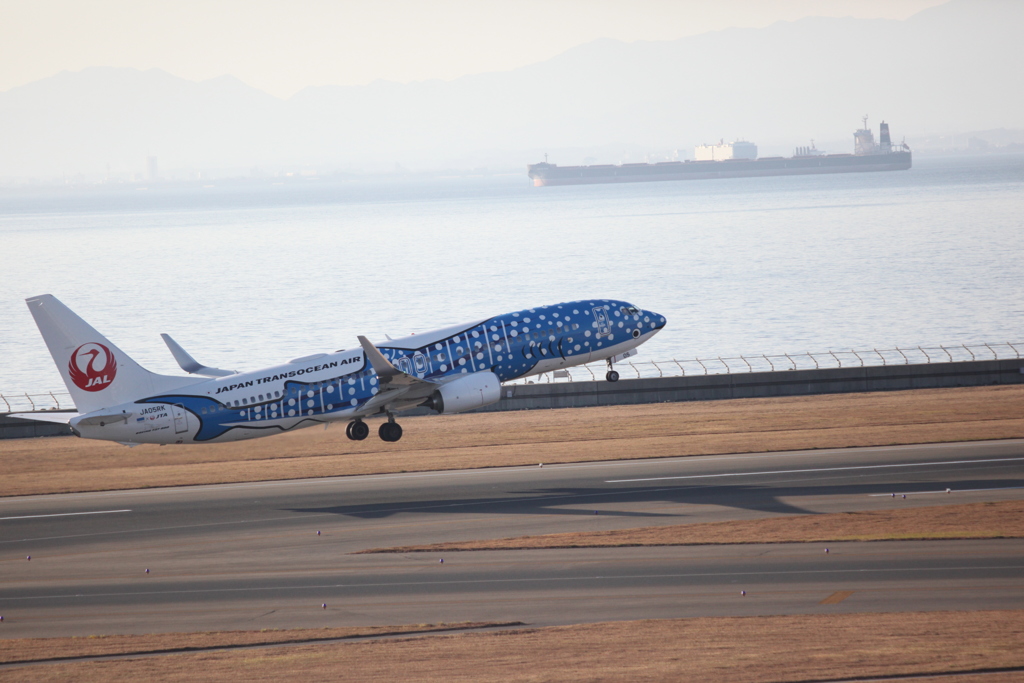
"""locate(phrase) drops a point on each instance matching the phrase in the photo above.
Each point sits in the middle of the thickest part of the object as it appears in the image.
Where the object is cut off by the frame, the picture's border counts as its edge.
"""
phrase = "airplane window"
(276, 394)
(252, 399)
(203, 410)
(575, 326)
(243, 402)
(261, 397)
(236, 402)
(440, 357)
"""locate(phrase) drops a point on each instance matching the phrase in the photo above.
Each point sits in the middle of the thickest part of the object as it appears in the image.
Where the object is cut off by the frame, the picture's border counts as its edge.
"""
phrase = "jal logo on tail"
(92, 367)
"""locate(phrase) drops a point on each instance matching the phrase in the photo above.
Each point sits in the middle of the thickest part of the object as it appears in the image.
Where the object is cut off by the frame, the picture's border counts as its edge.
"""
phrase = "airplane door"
(180, 419)
(404, 365)
(601, 316)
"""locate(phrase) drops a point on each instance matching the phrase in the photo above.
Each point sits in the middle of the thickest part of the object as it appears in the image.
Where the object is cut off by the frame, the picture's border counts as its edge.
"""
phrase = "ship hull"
(551, 174)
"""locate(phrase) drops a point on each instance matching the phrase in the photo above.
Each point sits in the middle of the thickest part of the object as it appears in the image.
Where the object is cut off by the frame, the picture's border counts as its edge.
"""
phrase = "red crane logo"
(92, 367)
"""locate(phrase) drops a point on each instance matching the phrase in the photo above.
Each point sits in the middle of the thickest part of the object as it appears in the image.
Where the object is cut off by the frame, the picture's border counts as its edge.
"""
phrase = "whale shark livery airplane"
(448, 370)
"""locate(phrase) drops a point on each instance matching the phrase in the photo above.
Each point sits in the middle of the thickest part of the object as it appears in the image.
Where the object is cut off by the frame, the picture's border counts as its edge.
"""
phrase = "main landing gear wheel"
(357, 430)
(612, 376)
(390, 431)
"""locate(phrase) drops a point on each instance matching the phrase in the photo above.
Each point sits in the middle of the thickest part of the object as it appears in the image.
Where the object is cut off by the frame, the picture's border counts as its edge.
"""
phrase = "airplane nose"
(653, 321)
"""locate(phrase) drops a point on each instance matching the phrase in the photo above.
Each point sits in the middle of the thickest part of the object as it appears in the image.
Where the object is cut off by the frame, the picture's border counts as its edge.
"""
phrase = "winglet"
(190, 364)
(381, 365)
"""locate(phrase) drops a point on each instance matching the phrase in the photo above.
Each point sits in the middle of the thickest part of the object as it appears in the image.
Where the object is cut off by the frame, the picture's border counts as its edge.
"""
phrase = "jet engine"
(466, 393)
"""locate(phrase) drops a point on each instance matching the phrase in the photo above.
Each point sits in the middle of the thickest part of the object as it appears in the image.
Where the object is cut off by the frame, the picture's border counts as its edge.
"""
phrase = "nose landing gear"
(611, 375)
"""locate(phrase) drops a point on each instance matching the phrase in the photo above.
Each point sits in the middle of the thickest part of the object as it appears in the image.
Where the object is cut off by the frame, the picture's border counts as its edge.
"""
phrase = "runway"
(248, 556)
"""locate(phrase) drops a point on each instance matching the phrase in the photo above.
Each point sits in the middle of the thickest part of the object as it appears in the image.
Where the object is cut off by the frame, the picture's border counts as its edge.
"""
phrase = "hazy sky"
(282, 46)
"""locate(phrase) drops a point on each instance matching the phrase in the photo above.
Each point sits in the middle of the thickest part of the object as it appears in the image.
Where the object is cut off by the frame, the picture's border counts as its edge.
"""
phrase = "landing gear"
(390, 430)
(357, 430)
(611, 375)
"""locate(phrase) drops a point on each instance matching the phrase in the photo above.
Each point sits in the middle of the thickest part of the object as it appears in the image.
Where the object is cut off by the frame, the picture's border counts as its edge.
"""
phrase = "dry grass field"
(1003, 519)
(66, 464)
(711, 650)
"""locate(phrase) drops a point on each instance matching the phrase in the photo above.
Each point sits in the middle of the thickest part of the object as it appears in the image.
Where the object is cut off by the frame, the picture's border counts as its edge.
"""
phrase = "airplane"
(449, 370)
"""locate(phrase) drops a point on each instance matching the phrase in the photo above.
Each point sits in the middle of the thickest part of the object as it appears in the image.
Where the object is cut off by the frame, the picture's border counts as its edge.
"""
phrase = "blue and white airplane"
(448, 370)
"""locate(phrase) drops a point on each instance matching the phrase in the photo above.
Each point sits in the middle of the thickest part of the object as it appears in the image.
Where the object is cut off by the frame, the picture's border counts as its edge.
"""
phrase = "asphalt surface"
(248, 556)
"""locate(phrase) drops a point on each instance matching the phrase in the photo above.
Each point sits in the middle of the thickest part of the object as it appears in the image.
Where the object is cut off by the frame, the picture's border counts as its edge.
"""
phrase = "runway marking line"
(553, 467)
(836, 598)
(921, 493)
(822, 469)
(65, 514)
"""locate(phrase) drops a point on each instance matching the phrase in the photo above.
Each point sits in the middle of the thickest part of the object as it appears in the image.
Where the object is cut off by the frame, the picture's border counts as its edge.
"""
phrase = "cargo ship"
(738, 160)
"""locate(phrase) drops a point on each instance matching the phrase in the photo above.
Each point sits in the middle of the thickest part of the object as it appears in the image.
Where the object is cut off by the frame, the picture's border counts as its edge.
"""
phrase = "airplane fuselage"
(344, 385)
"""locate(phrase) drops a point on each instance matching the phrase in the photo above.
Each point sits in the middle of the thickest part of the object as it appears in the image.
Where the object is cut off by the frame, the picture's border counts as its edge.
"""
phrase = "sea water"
(246, 274)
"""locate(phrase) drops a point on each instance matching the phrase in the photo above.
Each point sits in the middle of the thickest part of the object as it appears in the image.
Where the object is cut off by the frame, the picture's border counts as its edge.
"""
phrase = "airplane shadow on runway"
(556, 501)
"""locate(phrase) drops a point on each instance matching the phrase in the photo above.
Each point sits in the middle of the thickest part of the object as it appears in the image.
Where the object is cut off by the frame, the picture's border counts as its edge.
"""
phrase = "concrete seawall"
(760, 385)
(13, 428)
(700, 388)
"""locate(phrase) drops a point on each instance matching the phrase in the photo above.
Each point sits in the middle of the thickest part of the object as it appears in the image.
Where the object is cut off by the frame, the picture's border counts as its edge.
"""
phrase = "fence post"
(770, 363)
(630, 363)
(857, 356)
(1015, 351)
(660, 373)
(836, 357)
(995, 356)
(816, 366)
(728, 370)
(31, 402)
(702, 365)
(969, 351)
(906, 361)
(681, 368)
(948, 354)
(4, 399)
(750, 368)
(929, 358)
(884, 362)
(790, 360)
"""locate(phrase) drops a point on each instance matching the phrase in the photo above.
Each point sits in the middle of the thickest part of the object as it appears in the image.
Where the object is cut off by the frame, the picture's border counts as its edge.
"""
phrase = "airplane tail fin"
(97, 373)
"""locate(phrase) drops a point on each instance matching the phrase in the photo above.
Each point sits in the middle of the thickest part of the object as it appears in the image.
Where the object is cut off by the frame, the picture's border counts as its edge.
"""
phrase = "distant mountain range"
(954, 67)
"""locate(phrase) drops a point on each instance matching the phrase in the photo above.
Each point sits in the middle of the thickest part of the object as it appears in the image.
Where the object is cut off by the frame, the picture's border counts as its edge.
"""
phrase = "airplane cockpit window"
(630, 310)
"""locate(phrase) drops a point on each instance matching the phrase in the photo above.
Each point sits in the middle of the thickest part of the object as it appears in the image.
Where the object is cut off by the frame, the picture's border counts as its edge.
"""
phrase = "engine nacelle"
(466, 393)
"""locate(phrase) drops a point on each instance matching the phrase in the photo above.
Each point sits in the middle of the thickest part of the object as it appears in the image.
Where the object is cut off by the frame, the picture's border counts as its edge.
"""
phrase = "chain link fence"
(806, 360)
(61, 400)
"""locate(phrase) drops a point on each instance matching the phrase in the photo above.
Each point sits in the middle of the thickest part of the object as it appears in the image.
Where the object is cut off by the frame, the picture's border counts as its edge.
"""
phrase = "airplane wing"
(395, 385)
(190, 364)
(389, 375)
(58, 418)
